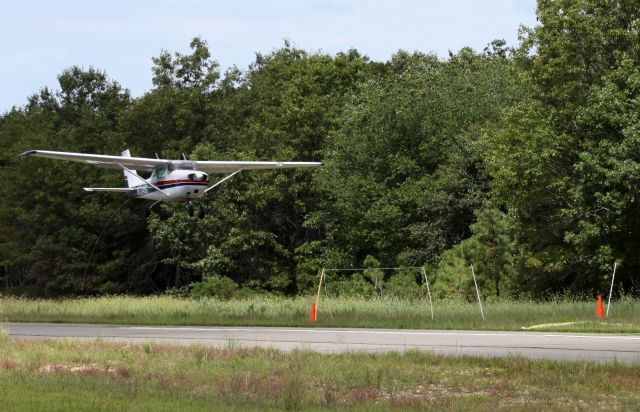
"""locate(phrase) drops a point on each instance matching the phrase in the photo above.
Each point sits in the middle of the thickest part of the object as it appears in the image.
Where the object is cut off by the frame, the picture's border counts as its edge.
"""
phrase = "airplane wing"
(107, 189)
(217, 166)
(142, 163)
(112, 162)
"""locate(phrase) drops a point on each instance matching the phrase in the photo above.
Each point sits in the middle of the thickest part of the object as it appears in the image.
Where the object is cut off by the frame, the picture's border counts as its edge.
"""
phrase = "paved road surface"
(601, 347)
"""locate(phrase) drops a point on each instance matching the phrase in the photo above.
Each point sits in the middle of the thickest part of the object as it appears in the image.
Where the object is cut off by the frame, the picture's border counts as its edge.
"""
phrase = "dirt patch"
(91, 369)
(363, 395)
(206, 352)
(251, 384)
(8, 364)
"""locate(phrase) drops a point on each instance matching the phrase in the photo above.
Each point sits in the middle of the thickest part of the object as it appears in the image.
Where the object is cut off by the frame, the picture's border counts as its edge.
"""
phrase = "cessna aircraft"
(171, 180)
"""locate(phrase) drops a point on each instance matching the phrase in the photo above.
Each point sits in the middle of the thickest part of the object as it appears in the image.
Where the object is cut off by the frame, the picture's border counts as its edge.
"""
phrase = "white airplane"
(171, 180)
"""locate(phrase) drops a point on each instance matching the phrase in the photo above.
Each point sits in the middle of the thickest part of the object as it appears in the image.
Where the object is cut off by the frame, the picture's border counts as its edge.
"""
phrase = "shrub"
(354, 286)
(214, 286)
(403, 285)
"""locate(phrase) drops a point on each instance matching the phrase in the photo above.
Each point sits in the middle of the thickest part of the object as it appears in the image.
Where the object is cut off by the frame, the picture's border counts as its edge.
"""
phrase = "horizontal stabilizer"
(107, 189)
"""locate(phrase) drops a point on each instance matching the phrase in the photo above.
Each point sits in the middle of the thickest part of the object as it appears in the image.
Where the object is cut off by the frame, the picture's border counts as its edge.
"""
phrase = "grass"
(556, 315)
(64, 375)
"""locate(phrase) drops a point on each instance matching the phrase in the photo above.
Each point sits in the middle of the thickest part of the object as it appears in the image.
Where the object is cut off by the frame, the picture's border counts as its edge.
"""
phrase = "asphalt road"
(600, 347)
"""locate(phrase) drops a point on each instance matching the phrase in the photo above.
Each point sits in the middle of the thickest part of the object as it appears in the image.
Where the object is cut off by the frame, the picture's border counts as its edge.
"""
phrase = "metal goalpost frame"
(477, 291)
(613, 277)
(319, 288)
(424, 274)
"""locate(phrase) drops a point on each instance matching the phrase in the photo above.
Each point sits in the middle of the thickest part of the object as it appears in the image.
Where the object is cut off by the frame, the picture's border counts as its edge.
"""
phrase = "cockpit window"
(181, 166)
(159, 173)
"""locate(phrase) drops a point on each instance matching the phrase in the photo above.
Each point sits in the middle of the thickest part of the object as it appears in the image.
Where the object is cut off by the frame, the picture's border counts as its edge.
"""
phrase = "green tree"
(56, 238)
(282, 108)
(373, 273)
(452, 275)
(491, 248)
(403, 173)
(564, 163)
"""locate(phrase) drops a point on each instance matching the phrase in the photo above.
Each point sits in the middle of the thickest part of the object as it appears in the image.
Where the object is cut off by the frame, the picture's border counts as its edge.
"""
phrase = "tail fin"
(132, 179)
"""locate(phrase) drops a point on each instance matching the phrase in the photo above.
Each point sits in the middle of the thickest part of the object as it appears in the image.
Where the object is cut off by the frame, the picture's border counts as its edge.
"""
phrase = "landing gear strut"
(202, 211)
(147, 211)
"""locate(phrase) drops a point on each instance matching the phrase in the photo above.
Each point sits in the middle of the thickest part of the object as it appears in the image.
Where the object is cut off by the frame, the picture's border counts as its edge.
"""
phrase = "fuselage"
(179, 182)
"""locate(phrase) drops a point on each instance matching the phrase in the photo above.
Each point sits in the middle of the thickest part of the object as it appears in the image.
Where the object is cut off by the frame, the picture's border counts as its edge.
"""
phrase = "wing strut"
(223, 179)
(144, 180)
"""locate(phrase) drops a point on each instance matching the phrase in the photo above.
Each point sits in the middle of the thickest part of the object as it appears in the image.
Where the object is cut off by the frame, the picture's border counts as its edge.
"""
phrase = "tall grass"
(332, 312)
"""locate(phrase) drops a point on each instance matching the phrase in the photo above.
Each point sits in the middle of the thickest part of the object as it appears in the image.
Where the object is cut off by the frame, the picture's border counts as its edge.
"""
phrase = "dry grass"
(155, 376)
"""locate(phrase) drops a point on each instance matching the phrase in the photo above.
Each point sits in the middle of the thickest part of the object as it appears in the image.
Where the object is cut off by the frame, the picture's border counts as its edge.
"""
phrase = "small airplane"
(170, 180)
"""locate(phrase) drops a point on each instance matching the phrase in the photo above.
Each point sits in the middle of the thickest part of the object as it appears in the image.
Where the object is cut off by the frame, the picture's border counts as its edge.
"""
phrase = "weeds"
(558, 314)
(112, 376)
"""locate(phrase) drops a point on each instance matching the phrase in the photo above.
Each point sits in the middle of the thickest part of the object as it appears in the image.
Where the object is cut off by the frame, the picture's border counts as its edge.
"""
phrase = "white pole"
(424, 274)
(319, 288)
(477, 291)
(615, 265)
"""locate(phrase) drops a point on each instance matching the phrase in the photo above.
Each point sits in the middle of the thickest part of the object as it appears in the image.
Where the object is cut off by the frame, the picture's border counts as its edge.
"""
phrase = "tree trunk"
(178, 270)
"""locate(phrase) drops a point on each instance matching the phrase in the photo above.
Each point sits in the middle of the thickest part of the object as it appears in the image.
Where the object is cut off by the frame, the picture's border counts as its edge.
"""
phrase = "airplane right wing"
(221, 166)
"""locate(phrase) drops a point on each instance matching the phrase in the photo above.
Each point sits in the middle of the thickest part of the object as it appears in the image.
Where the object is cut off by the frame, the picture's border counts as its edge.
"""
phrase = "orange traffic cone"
(312, 313)
(599, 310)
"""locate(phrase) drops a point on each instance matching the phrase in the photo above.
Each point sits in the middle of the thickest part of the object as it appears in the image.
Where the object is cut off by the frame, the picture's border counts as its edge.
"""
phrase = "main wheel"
(190, 208)
(202, 212)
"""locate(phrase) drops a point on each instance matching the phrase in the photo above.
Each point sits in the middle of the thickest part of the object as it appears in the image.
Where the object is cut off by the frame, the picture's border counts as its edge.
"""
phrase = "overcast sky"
(41, 38)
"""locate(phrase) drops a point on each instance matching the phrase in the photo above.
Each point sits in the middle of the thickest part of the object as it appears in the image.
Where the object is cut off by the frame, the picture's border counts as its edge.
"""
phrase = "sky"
(42, 38)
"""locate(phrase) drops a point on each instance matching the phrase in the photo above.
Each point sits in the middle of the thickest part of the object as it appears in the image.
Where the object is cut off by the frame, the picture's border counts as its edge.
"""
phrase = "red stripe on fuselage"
(172, 182)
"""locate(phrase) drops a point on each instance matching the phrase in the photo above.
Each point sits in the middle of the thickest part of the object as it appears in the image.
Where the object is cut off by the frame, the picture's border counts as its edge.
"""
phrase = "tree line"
(521, 160)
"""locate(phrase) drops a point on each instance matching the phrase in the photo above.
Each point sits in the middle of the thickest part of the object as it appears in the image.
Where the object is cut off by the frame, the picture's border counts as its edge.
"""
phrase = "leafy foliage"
(524, 162)
(564, 162)
(403, 174)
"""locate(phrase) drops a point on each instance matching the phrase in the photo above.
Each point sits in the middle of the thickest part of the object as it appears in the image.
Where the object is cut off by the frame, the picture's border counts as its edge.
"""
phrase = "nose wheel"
(202, 211)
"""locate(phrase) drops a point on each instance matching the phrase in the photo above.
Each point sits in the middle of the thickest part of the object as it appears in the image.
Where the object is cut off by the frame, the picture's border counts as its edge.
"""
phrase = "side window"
(159, 174)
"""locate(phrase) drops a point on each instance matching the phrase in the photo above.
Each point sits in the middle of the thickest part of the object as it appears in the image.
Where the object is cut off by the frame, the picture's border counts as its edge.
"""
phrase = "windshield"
(182, 166)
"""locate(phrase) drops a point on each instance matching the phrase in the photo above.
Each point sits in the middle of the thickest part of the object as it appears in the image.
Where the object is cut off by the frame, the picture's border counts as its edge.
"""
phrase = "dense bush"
(220, 287)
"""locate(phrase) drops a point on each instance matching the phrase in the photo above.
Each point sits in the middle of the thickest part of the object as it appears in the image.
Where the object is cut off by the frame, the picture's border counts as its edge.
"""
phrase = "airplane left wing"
(217, 166)
(113, 162)
(107, 189)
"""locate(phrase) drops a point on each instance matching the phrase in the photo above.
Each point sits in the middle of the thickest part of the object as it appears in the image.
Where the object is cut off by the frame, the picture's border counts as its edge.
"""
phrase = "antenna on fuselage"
(184, 157)
(157, 157)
